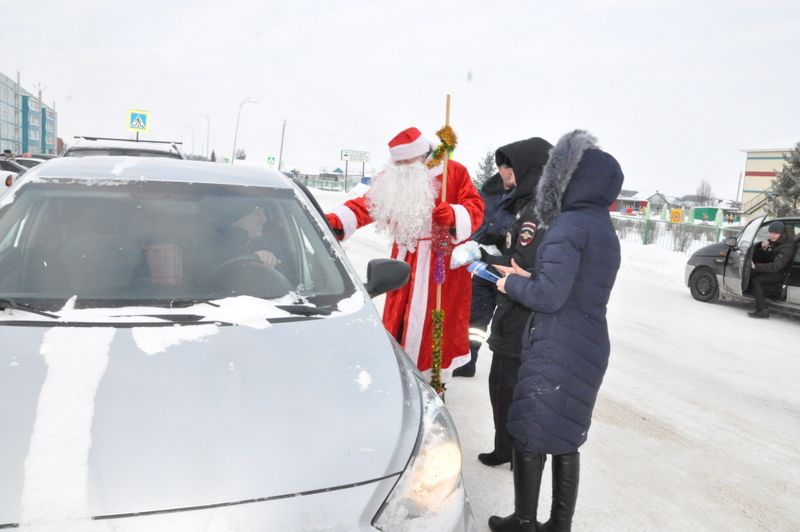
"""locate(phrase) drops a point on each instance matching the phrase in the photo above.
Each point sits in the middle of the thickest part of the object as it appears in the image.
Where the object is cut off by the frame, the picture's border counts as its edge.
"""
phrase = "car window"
(747, 235)
(9, 167)
(149, 243)
(762, 233)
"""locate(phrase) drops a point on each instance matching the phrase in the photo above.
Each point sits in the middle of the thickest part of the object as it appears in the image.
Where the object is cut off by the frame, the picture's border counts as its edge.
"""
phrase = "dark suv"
(722, 270)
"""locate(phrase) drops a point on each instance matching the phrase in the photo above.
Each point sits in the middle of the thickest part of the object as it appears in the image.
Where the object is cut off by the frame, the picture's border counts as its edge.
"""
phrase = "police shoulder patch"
(527, 234)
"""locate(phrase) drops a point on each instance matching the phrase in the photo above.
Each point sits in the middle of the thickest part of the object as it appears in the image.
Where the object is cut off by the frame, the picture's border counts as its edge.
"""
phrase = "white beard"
(400, 202)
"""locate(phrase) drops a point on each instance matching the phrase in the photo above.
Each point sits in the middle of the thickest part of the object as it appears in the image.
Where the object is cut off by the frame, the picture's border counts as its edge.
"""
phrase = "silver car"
(186, 347)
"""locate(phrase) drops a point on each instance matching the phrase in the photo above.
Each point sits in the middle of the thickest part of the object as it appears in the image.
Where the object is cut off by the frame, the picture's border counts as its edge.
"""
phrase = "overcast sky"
(673, 89)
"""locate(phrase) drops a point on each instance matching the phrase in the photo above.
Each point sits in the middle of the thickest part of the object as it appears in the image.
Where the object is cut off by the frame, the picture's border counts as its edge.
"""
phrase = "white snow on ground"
(697, 423)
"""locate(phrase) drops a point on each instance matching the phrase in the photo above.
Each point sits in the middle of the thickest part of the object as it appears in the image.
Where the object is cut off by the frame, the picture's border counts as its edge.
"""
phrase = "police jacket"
(527, 158)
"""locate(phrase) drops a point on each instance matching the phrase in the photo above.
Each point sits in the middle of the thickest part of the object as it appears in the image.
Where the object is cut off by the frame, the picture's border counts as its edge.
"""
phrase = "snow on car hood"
(208, 417)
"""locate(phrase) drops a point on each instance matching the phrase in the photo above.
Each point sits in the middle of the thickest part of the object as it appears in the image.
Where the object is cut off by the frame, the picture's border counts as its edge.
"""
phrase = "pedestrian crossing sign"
(138, 120)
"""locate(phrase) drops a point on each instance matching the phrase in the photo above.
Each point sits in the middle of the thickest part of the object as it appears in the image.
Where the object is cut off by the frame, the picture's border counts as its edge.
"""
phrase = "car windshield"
(114, 244)
(91, 152)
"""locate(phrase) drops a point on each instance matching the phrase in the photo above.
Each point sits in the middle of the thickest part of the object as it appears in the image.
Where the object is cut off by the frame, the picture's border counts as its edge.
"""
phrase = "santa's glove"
(444, 215)
(336, 225)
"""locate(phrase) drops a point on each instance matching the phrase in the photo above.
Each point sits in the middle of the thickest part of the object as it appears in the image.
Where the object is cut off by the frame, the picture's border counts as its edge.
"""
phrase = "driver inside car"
(252, 225)
(241, 250)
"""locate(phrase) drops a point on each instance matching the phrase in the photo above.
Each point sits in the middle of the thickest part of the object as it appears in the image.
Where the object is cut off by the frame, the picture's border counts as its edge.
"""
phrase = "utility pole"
(208, 127)
(280, 153)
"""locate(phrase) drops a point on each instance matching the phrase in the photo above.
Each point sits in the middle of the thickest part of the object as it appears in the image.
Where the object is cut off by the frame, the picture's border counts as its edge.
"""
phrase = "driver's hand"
(764, 244)
(267, 258)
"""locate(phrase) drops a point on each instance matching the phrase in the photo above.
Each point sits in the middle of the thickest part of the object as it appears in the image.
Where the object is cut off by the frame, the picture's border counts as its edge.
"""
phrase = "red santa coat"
(407, 311)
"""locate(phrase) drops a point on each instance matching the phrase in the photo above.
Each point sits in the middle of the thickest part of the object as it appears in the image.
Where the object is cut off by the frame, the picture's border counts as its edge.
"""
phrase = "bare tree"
(241, 154)
(704, 194)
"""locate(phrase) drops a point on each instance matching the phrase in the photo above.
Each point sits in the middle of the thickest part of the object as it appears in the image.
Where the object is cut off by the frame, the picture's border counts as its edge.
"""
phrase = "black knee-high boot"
(527, 479)
(566, 473)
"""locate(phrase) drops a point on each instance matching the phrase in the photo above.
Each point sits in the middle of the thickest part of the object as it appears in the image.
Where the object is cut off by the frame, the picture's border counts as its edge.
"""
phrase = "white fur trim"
(418, 147)
(419, 301)
(447, 373)
(463, 223)
(348, 218)
(436, 170)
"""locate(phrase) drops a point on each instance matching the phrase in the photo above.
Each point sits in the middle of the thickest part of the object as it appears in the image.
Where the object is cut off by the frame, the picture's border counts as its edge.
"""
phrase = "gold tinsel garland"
(436, 375)
(448, 143)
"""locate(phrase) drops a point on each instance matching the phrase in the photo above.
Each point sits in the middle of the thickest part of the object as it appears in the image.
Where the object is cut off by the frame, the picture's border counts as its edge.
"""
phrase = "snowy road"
(698, 420)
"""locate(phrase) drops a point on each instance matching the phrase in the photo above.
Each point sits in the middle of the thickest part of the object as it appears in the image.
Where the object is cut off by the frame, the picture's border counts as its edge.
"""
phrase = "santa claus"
(404, 202)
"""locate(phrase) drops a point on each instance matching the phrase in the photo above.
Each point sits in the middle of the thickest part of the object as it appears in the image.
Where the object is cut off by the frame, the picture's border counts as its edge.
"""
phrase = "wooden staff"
(444, 192)
(437, 316)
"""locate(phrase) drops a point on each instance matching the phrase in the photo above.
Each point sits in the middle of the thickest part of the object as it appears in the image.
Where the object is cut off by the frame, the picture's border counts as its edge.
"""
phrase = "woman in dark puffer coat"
(565, 352)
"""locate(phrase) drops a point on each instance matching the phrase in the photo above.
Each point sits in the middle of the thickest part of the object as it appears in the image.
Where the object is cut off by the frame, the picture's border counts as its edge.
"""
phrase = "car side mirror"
(730, 241)
(385, 275)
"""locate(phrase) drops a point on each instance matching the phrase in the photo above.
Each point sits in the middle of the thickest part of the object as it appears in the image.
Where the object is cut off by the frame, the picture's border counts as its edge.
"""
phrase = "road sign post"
(138, 121)
(356, 156)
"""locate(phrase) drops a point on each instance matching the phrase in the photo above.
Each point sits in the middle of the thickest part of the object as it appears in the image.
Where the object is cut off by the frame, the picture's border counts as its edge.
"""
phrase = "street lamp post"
(280, 153)
(192, 130)
(208, 127)
(236, 132)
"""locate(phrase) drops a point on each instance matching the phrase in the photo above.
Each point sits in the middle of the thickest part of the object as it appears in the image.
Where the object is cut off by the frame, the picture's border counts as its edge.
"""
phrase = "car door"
(793, 288)
(737, 265)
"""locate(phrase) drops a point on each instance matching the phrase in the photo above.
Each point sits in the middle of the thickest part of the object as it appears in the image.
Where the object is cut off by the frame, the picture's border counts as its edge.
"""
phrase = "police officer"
(520, 166)
(498, 217)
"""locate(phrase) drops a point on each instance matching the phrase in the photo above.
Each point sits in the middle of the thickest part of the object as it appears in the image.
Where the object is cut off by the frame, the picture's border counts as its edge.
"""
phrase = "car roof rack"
(129, 140)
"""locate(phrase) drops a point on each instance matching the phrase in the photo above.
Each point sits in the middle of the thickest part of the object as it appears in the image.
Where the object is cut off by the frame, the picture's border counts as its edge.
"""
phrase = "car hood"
(119, 420)
(712, 250)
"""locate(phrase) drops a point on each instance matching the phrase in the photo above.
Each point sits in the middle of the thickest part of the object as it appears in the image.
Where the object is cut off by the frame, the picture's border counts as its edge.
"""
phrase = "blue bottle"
(480, 269)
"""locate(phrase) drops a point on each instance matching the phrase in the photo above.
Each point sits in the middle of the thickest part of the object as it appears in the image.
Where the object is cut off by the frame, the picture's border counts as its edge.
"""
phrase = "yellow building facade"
(759, 173)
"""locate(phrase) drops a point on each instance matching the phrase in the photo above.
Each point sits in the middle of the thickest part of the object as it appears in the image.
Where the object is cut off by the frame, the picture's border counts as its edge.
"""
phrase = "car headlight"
(429, 490)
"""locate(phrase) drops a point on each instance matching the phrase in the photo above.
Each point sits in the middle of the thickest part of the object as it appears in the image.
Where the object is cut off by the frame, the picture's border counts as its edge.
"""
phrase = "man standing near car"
(770, 260)
(404, 203)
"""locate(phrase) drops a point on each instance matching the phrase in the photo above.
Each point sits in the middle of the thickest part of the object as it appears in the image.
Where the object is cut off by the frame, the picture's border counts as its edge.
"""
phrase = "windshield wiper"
(6, 303)
(183, 303)
(305, 310)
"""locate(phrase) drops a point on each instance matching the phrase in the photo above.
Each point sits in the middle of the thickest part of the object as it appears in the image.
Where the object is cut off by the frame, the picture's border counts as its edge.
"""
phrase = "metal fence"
(682, 238)
(336, 185)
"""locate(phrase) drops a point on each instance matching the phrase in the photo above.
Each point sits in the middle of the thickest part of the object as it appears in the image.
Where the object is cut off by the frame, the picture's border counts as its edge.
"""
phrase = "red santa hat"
(408, 144)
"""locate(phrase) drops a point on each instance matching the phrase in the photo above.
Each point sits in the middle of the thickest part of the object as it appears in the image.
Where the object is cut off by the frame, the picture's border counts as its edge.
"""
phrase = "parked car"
(722, 270)
(29, 162)
(88, 146)
(10, 170)
(158, 375)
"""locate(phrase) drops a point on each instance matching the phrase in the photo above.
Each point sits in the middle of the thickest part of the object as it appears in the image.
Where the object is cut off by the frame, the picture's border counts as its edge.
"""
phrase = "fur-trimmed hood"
(578, 175)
